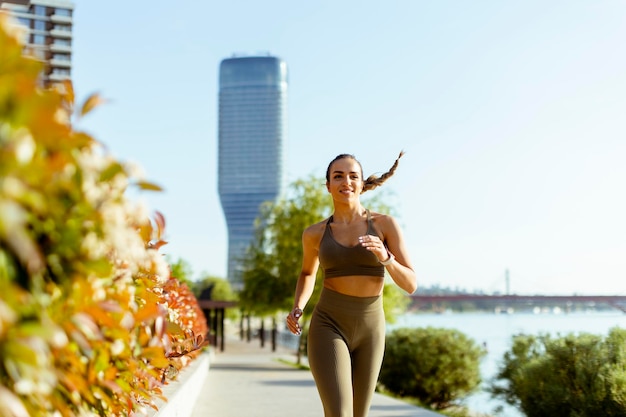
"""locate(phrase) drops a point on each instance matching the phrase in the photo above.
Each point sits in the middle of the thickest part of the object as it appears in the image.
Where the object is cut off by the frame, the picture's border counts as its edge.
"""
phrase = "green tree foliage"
(395, 301)
(569, 376)
(273, 261)
(436, 366)
(181, 270)
(220, 288)
(90, 320)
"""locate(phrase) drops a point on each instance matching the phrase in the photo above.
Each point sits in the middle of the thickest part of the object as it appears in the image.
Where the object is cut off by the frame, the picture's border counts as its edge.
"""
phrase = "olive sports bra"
(337, 260)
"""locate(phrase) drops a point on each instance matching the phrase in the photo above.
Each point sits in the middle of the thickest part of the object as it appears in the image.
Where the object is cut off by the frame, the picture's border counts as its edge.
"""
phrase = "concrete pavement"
(249, 381)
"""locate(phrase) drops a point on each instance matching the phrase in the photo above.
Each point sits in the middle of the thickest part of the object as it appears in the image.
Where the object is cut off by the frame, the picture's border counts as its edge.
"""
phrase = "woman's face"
(346, 180)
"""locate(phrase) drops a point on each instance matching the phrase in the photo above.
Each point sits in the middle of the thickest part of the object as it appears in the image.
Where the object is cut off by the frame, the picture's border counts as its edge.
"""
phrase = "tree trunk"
(248, 330)
(274, 333)
(241, 327)
(262, 332)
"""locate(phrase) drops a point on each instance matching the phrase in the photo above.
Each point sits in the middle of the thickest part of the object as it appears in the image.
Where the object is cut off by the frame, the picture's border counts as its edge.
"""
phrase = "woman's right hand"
(292, 321)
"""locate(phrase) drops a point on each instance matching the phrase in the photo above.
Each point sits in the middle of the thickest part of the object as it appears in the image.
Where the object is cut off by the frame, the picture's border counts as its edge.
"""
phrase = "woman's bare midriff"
(356, 285)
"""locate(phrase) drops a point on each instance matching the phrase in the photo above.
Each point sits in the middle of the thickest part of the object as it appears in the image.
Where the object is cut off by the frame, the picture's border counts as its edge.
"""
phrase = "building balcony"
(60, 63)
(60, 48)
(56, 18)
(63, 34)
(58, 77)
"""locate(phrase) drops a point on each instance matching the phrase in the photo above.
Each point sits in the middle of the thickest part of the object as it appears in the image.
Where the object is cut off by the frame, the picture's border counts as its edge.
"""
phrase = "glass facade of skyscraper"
(252, 135)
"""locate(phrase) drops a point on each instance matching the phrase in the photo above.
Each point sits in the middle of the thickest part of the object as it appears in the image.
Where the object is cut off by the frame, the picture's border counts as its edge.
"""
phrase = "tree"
(220, 288)
(273, 260)
(181, 270)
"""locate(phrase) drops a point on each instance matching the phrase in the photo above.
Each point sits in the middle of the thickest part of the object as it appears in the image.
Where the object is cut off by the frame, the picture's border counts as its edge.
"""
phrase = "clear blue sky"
(511, 115)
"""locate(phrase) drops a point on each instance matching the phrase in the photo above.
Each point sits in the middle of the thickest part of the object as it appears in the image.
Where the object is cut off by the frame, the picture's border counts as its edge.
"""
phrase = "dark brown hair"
(372, 181)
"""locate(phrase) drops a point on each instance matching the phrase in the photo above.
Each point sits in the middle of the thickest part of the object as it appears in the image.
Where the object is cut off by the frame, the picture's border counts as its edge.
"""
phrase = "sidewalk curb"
(183, 392)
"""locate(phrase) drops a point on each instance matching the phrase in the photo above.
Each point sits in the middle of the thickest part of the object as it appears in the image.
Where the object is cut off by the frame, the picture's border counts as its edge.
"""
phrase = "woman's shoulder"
(381, 218)
(312, 235)
(383, 222)
(316, 229)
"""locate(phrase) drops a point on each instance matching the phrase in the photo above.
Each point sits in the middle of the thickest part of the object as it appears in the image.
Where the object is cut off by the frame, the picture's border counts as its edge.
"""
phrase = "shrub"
(435, 366)
(186, 324)
(581, 376)
(89, 318)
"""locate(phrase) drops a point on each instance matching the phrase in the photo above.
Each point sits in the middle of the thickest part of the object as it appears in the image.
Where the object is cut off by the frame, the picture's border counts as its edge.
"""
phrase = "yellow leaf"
(144, 185)
(149, 311)
(82, 139)
(111, 171)
(91, 103)
(155, 356)
(174, 329)
(66, 90)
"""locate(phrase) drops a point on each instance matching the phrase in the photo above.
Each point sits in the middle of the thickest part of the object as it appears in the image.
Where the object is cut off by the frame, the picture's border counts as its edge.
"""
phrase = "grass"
(455, 411)
(294, 364)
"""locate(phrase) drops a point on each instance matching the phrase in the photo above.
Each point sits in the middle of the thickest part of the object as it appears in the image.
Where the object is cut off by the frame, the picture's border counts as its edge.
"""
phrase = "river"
(495, 331)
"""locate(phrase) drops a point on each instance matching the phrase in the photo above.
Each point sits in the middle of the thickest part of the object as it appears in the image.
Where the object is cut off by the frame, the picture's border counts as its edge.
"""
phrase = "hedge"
(575, 375)
(438, 367)
(91, 322)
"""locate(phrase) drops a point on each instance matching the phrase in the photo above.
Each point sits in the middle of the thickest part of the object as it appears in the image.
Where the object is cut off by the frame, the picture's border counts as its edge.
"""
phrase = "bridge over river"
(616, 301)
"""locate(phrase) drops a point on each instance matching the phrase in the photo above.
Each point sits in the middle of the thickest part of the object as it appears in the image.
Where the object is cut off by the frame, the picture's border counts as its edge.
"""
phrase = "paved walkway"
(249, 381)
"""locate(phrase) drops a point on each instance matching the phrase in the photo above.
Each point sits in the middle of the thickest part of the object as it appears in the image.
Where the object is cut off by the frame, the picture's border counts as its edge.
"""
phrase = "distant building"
(252, 136)
(49, 34)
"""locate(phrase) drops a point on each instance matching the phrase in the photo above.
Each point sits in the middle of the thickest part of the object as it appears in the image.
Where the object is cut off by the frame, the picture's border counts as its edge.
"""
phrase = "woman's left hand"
(374, 244)
(292, 321)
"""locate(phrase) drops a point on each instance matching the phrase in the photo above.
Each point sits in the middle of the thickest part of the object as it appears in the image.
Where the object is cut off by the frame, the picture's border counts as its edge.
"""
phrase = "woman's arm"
(400, 269)
(306, 280)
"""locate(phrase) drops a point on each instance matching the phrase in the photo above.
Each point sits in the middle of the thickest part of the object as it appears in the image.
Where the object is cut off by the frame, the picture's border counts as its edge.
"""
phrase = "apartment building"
(49, 34)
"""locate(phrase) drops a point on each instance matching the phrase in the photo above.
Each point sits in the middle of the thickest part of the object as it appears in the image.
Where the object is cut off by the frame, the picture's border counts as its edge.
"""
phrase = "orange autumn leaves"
(90, 319)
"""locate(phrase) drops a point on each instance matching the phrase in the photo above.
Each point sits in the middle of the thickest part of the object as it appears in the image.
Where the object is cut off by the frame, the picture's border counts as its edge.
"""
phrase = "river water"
(495, 331)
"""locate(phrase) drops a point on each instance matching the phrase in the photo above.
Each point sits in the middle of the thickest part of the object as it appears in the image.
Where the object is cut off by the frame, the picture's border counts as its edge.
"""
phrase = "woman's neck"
(348, 214)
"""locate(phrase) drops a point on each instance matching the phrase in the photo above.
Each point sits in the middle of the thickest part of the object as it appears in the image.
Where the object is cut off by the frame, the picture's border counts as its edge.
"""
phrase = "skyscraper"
(49, 34)
(252, 135)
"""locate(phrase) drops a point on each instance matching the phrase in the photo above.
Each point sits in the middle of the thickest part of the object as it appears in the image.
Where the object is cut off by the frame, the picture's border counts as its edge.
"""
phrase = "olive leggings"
(345, 346)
